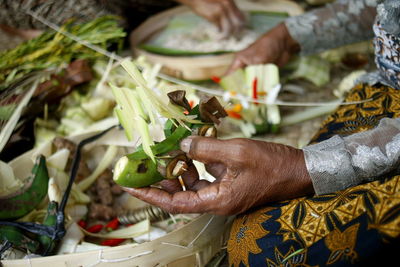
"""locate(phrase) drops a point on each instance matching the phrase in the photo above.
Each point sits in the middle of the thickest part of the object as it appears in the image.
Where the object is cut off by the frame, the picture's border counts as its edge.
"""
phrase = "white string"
(199, 88)
(201, 232)
(172, 218)
(72, 36)
(195, 239)
(174, 245)
(105, 75)
(102, 260)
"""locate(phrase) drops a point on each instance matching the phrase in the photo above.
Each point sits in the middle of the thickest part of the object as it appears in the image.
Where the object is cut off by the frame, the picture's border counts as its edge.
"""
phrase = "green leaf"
(6, 111)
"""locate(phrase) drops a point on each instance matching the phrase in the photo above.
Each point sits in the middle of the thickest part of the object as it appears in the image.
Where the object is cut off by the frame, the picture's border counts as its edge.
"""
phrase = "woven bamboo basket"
(200, 67)
(191, 245)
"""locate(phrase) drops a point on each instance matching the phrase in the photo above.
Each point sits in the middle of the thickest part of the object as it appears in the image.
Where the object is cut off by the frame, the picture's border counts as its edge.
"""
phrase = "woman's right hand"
(248, 173)
(222, 13)
(275, 46)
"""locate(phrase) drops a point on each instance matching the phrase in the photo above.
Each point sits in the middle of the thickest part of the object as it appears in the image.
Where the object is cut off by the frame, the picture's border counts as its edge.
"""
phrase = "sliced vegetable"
(12, 122)
(258, 82)
(95, 228)
(8, 183)
(112, 242)
(98, 108)
(112, 225)
(127, 232)
(15, 236)
(48, 242)
(71, 240)
(136, 172)
(27, 198)
(105, 162)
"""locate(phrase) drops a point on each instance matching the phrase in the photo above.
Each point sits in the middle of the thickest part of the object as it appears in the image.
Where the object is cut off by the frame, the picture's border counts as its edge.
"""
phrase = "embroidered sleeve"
(337, 24)
(342, 162)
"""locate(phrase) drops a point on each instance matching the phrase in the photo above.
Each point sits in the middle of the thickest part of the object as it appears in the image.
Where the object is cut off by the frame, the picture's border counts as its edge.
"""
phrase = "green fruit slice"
(27, 198)
(136, 173)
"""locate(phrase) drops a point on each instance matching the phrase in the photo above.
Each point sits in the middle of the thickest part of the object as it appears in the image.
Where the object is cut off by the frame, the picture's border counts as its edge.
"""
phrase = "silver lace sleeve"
(343, 22)
(342, 162)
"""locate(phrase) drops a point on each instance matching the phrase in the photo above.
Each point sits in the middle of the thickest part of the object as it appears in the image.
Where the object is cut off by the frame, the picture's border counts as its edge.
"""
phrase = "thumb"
(204, 149)
(237, 63)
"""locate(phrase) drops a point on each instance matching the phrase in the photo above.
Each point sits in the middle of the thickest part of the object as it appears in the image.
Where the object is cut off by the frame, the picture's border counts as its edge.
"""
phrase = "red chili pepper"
(82, 224)
(95, 228)
(112, 225)
(255, 84)
(216, 79)
(112, 242)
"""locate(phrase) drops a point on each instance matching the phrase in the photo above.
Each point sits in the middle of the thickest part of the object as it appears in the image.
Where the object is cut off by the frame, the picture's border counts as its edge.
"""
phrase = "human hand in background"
(222, 13)
(248, 173)
(275, 46)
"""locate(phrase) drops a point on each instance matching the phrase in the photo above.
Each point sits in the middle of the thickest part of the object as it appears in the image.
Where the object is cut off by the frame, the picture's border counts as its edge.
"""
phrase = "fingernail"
(126, 188)
(185, 144)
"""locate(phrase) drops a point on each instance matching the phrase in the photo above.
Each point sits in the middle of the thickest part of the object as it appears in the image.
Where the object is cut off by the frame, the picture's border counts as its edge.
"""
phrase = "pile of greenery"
(53, 49)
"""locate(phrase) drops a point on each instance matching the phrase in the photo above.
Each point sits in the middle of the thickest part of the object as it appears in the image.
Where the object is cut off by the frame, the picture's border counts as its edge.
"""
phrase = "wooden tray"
(200, 67)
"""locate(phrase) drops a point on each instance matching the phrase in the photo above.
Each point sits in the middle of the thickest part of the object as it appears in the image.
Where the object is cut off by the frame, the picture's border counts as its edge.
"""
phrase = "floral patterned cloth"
(359, 226)
(339, 163)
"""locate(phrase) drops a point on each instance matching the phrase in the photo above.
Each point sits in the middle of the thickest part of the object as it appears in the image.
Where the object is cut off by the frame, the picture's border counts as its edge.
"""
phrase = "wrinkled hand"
(223, 13)
(275, 46)
(248, 173)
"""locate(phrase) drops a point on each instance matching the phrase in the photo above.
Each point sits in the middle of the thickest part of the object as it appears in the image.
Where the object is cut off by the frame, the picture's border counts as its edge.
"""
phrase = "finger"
(181, 202)
(282, 60)
(236, 64)
(215, 19)
(190, 176)
(218, 170)
(200, 184)
(239, 14)
(236, 18)
(190, 179)
(204, 149)
(226, 25)
(171, 185)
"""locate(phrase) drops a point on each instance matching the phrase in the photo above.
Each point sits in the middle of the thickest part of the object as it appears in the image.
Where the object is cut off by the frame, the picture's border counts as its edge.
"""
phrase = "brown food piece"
(83, 170)
(101, 212)
(61, 143)
(178, 97)
(211, 110)
(116, 189)
(78, 72)
(162, 169)
(102, 194)
(52, 91)
(103, 188)
(60, 85)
